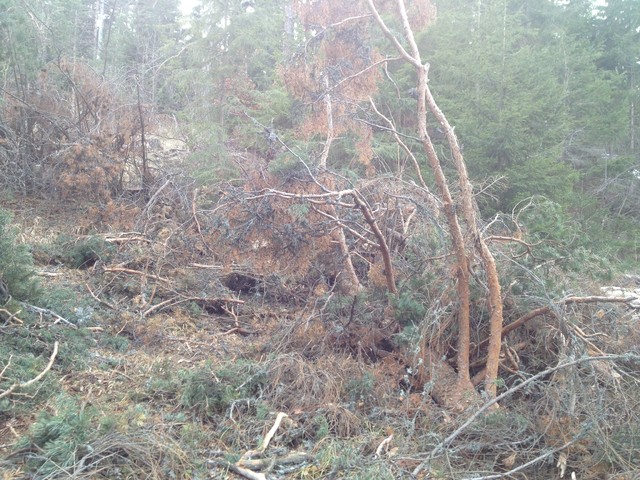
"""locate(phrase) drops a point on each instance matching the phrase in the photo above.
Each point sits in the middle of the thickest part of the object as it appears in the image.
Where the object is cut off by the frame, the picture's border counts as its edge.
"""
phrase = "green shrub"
(360, 389)
(83, 252)
(61, 438)
(16, 264)
(409, 307)
(205, 395)
(24, 367)
(67, 303)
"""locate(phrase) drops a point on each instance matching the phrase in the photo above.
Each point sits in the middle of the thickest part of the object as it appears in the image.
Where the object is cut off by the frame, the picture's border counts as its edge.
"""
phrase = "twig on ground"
(265, 443)
(444, 443)
(16, 386)
(251, 475)
(529, 463)
(12, 316)
(238, 330)
(201, 265)
(135, 272)
(263, 463)
(51, 313)
(99, 300)
(172, 302)
(384, 446)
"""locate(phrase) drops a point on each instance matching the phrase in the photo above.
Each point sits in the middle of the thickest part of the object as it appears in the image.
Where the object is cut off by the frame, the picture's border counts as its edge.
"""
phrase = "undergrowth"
(131, 392)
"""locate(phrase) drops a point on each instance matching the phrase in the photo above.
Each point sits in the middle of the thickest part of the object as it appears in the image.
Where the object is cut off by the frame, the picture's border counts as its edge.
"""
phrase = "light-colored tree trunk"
(330, 130)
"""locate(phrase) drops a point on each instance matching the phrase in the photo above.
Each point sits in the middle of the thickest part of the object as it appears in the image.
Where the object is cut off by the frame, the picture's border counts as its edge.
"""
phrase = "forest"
(320, 239)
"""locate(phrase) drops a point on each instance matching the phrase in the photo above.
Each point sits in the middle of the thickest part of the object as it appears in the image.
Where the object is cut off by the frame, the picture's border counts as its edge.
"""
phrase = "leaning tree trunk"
(467, 202)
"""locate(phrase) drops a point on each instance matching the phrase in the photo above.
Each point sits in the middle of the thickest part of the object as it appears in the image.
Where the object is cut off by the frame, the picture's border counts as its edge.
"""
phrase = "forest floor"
(164, 371)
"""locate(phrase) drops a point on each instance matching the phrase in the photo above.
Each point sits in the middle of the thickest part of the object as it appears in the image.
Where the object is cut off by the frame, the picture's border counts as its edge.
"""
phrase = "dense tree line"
(543, 95)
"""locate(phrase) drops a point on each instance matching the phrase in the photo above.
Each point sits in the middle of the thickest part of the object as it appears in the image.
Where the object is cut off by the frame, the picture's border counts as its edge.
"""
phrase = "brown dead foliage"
(296, 382)
(73, 135)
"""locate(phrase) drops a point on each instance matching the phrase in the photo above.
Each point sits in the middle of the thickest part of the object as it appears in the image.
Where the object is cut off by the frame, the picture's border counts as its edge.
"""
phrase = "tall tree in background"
(619, 30)
(143, 38)
(230, 67)
(332, 75)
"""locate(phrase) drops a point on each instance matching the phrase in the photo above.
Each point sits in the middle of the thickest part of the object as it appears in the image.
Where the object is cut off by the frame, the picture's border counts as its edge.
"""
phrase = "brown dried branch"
(382, 243)
(173, 302)
(500, 238)
(490, 404)
(548, 309)
(135, 272)
(341, 224)
(358, 202)
(99, 300)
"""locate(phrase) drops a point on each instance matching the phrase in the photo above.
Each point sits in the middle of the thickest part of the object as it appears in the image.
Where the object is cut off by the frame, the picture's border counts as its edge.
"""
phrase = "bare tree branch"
(447, 441)
(37, 378)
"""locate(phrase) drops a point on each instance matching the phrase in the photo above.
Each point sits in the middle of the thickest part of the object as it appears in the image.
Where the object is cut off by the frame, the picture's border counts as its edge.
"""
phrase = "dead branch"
(251, 475)
(341, 224)
(407, 150)
(384, 446)
(528, 246)
(240, 467)
(153, 199)
(447, 441)
(270, 192)
(135, 238)
(548, 309)
(382, 243)
(330, 129)
(201, 265)
(263, 463)
(46, 311)
(530, 462)
(239, 330)
(265, 442)
(135, 272)
(16, 386)
(267, 439)
(451, 215)
(173, 302)
(194, 214)
(99, 300)
(121, 237)
(12, 316)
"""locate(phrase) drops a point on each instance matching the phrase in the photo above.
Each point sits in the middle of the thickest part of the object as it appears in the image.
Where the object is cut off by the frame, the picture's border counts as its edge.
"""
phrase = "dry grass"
(297, 383)
(342, 391)
(118, 455)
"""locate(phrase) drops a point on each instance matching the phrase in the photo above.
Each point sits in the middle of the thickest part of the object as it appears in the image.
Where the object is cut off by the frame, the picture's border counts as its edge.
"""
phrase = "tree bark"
(468, 209)
(462, 270)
